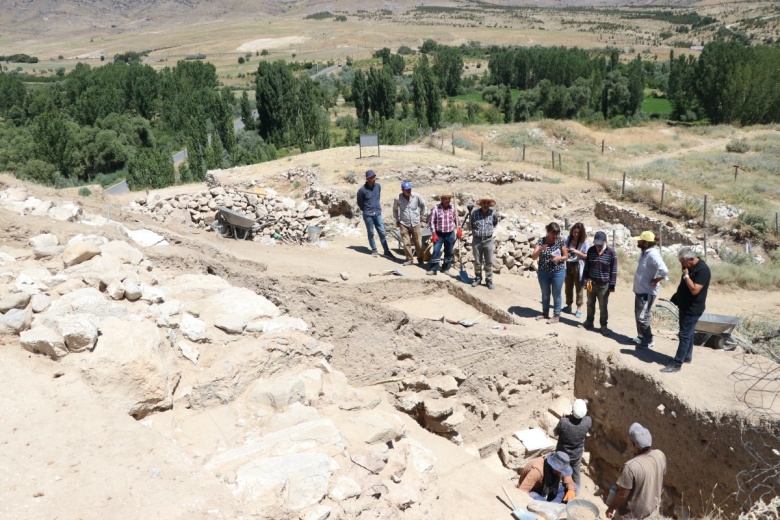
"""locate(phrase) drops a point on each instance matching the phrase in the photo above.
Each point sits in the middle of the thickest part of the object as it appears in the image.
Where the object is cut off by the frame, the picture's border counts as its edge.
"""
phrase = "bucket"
(313, 233)
(580, 509)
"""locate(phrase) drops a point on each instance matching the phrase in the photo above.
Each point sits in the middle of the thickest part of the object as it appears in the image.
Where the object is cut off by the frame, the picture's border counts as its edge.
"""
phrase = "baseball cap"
(647, 236)
(406, 185)
(599, 238)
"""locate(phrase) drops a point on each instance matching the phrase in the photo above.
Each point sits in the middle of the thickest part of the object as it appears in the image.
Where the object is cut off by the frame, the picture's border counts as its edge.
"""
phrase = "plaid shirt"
(443, 220)
(601, 268)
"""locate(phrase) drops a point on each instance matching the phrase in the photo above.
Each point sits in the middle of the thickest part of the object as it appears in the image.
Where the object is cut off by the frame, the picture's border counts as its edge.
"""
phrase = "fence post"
(736, 171)
(553, 159)
(524, 152)
(705, 246)
(663, 190)
(481, 150)
(602, 147)
(588, 170)
(623, 189)
(613, 239)
(404, 136)
(566, 223)
(442, 144)
(560, 166)
(704, 218)
(661, 236)
(777, 222)
(453, 143)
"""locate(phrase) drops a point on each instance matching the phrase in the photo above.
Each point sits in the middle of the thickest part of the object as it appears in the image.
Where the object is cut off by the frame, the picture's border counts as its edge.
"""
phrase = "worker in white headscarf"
(571, 431)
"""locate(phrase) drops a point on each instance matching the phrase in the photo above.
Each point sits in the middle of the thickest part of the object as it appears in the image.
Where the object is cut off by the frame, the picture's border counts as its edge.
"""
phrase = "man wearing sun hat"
(542, 477)
(641, 481)
(408, 209)
(649, 273)
(483, 222)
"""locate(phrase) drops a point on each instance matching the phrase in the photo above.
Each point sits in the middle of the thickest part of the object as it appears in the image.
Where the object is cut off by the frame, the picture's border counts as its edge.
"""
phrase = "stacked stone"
(513, 248)
(439, 174)
(277, 215)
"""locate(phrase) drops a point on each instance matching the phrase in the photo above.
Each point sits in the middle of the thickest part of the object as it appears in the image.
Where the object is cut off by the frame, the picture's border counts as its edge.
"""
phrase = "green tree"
(382, 93)
(426, 96)
(150, 168)
(246, 112)
(54, 142)
(360, 97)
(506, 104)
(275, 105)
(448, 67)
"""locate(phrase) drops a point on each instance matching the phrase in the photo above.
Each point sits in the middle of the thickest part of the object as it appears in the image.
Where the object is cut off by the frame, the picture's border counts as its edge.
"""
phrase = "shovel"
(464, 276)
(517, 514)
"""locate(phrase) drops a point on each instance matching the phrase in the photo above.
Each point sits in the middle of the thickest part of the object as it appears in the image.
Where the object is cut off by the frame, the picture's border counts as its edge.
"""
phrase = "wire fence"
(597, 168)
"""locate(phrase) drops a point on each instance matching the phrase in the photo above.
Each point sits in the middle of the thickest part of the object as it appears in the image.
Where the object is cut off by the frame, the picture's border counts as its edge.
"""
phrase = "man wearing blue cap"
(368, 201)
(542, 477)
(408, 209)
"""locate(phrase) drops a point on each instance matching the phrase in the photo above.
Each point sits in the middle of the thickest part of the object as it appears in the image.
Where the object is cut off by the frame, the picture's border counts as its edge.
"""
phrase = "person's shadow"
(647, 355)
(523, 312)
(367, 251)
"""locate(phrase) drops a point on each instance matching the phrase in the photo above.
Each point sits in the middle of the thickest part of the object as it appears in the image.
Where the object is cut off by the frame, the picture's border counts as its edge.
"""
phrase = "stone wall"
(638, 222)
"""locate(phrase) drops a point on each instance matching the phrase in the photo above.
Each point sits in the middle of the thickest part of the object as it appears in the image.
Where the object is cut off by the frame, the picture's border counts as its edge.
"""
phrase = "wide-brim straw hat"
(486, 199)
(445, 196)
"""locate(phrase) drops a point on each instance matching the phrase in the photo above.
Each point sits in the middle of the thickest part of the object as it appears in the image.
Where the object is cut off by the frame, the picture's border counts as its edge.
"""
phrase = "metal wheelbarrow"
(232, 223)
(717, 329)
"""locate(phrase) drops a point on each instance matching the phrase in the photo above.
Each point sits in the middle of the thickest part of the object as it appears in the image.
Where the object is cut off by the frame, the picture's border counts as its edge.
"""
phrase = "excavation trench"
(386, 333)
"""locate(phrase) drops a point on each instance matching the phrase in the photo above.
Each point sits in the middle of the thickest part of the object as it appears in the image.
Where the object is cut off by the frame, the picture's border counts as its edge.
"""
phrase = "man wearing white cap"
(649, 273)
(542, 478)
(641, 481)
(571, 431)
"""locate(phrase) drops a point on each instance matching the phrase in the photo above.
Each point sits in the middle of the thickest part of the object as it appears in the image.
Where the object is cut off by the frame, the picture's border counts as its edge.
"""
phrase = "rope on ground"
(450, 361)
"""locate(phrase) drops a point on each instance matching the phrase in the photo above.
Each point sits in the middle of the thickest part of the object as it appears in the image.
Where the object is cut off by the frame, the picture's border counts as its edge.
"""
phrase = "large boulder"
(122, 252)
(276, 485)
(134, 365)
(278, 392)
(43, 340)
(14, 301)
(192, 328)
(234, 301)
(15, 321)
(88, 300)
(65, 211)
(79, 252)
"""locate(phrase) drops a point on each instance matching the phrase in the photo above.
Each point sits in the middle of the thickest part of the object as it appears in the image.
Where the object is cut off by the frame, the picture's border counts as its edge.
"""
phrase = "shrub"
(84, 192)
(738, 146)
(38, 171)
(350, 177)
(241, 60)
(264, 52)
(752, 225)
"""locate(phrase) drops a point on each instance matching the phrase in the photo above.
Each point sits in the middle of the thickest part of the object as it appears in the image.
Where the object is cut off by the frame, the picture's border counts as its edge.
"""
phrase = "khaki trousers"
(407, 235)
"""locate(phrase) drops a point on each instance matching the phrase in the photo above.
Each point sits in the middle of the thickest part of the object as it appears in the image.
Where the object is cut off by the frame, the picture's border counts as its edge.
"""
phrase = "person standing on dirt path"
(408, 209)
(445, 228)
(548, 478)
(571, 431)
(552, 254)
(577, 243)
(649, 273)
(600, 273)
(368, 200)
(483, 221)
(641, 481)
(690, 299)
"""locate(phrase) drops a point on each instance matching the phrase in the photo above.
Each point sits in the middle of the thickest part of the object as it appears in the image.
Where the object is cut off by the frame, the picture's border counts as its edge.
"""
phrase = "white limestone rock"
(192, 328)
(43, 340)
(79, 252)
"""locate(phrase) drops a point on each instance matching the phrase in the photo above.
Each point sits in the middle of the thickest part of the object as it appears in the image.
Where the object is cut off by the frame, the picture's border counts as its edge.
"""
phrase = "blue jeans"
(447, 240)
(375, 221)
(559, 497)
(685, 347)
(551, 281)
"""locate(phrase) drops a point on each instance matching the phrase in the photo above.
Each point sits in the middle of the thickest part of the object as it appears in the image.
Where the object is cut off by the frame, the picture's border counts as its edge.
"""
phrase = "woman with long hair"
(577, 244)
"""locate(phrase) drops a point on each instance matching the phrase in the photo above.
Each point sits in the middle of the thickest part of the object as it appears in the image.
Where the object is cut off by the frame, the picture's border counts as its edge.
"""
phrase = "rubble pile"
(439, 174)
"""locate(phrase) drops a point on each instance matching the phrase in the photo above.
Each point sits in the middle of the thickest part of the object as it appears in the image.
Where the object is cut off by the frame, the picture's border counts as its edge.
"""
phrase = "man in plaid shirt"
(445, 228)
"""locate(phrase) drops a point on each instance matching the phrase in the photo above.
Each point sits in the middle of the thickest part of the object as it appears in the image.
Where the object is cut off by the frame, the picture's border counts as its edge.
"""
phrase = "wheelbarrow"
(232, 223)
(715, 329)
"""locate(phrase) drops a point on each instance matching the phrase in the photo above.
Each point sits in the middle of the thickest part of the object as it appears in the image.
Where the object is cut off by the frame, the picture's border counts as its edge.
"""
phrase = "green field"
(660, 106)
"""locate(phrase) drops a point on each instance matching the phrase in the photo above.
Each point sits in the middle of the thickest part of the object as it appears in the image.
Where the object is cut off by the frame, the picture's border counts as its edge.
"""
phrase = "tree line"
(122, 119)
(728, 83)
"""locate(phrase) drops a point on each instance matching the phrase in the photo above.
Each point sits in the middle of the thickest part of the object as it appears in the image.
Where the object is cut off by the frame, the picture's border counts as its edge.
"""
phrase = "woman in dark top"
(552, 254)
(571, 431)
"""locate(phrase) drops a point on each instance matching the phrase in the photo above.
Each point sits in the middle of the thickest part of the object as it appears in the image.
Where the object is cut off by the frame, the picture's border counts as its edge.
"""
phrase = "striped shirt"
(443, 220)
(601, 268)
